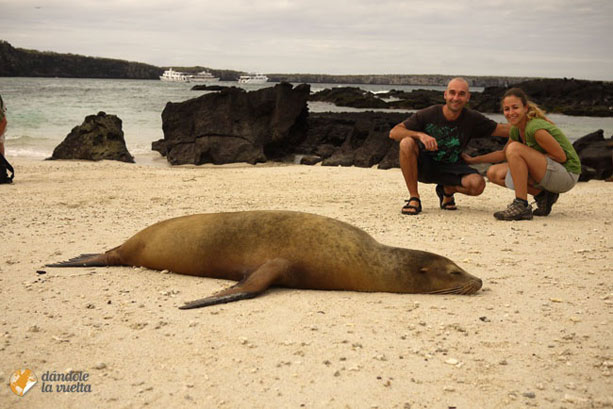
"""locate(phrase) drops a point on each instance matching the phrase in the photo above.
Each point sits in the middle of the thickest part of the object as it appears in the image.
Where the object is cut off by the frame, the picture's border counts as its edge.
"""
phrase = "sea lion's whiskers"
(454, 290)
(466, 289)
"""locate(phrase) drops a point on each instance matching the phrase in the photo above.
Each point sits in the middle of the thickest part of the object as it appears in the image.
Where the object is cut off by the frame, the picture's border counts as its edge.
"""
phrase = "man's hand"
(468, 159)
(428, 141)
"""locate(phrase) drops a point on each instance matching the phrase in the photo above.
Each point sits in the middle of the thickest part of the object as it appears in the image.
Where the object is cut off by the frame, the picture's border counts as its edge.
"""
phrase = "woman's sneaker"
(544, 202)
(517, 210)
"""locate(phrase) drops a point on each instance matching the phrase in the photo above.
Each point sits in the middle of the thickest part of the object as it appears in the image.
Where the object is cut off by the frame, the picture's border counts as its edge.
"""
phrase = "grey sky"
(547, 38)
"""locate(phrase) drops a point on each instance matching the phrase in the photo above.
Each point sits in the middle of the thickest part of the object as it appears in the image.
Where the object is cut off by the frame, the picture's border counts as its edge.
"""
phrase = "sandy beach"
(539, 333)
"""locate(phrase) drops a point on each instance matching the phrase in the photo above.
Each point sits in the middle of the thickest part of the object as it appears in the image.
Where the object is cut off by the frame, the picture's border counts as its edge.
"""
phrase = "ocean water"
(42, 111)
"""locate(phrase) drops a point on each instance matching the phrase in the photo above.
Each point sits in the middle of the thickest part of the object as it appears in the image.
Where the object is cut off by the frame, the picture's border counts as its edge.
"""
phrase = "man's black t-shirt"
(451, 136)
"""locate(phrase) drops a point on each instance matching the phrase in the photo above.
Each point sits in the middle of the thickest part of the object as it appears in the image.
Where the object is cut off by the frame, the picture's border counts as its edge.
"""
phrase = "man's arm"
(492, 157)
(502, 130)
(399, 132)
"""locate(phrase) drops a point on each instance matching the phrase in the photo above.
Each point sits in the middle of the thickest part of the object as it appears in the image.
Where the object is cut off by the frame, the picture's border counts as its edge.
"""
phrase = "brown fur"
(281, 248)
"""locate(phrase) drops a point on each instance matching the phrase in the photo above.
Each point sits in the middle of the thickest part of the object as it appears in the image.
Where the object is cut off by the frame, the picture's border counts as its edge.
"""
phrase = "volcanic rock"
(349, 138)
(596, 154)
(349, 97)
(234, 126)
(99, 137)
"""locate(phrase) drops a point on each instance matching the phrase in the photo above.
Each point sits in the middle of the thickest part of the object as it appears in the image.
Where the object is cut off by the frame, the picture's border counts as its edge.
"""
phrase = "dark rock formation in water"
(596, 154)
(235, 126)
(563, 96)
(417, 99)
(205, 87)
(349, 97)
(99, 137)
(425, 80)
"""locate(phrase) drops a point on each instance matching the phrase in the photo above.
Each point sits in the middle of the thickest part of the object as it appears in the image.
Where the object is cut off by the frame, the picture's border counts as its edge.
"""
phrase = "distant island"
(19, 62)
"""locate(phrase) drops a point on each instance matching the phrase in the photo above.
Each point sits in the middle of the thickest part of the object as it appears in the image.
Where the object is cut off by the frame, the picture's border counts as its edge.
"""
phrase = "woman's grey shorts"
(556, 180)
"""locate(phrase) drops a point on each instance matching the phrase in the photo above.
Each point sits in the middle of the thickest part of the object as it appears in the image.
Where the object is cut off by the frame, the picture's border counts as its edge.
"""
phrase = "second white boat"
(252, 79)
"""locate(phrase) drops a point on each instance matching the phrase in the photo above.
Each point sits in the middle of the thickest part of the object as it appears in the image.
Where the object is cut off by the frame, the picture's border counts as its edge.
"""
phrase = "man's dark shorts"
(448, 174)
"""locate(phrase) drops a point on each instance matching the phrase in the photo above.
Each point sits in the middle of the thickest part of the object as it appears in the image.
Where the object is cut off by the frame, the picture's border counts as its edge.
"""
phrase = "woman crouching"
(540, 159)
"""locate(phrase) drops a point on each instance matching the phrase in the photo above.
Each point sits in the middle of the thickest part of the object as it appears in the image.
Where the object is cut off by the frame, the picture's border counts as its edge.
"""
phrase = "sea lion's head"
(438, 275)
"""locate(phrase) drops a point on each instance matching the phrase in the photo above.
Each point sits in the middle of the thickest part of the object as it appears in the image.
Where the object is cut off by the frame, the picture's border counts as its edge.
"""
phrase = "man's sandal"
(440, 192)
(410, 209)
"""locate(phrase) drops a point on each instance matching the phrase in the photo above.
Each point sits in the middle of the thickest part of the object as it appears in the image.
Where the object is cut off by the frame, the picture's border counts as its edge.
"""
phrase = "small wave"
(26, 139)
(31, 153)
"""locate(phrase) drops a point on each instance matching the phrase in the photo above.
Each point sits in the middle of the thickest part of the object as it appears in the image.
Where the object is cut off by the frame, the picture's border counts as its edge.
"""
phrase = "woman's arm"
(492, 157)
(550, 145)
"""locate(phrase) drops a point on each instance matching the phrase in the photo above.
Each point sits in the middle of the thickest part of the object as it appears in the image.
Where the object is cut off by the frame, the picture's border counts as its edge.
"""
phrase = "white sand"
(539, 334)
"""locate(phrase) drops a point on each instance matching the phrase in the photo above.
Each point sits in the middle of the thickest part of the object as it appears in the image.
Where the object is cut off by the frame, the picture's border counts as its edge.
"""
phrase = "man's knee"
(408, 147)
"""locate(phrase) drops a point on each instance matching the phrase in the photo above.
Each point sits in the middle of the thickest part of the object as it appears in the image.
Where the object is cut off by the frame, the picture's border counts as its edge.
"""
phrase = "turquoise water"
(42, 111)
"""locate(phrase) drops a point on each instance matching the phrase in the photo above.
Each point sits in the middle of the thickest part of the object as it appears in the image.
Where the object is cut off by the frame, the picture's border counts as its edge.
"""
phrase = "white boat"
(252, 79)
(203, 76)
(176, 76)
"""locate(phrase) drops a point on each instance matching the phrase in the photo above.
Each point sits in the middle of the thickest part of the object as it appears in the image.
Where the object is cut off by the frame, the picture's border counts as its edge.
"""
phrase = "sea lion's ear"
(423, 270)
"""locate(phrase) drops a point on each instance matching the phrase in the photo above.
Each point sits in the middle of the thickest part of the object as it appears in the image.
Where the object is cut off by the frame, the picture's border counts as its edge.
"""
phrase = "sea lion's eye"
(456, 272)
(423, 270)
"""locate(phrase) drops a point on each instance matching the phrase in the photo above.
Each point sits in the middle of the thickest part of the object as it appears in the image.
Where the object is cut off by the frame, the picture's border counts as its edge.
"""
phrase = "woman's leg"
(526, 165)
(497, 173)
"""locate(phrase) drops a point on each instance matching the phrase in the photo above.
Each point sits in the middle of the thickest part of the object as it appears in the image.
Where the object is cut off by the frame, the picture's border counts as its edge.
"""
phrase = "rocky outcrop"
(349, 97)
(351, 139)
(99, 137)
(205, 87)
(563, 96)
(417, 99)
(358, 98)
(596, 154)
(394, 79)
(235, 126)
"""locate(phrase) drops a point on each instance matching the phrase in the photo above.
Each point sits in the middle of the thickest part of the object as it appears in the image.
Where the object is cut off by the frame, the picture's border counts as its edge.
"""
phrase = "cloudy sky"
(546, 38)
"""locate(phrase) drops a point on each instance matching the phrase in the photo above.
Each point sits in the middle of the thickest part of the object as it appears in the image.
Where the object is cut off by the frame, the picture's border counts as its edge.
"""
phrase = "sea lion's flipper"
(214, 300)
(84, 260)
(252, 286)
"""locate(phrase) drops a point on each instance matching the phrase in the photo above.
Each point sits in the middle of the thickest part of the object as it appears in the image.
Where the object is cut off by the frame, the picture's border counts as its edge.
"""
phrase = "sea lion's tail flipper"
(217, 299)
(84, 260)
(252, 286)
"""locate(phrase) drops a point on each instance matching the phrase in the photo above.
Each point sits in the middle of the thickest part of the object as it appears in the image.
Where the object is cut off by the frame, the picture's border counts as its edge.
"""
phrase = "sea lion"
(281, 248)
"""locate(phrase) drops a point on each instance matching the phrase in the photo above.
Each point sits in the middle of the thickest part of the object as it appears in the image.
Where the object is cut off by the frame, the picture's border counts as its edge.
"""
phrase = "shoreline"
(538, 334)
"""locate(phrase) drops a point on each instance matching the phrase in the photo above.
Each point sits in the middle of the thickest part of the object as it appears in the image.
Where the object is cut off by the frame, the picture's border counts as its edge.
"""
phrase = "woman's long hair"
(533, 110)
